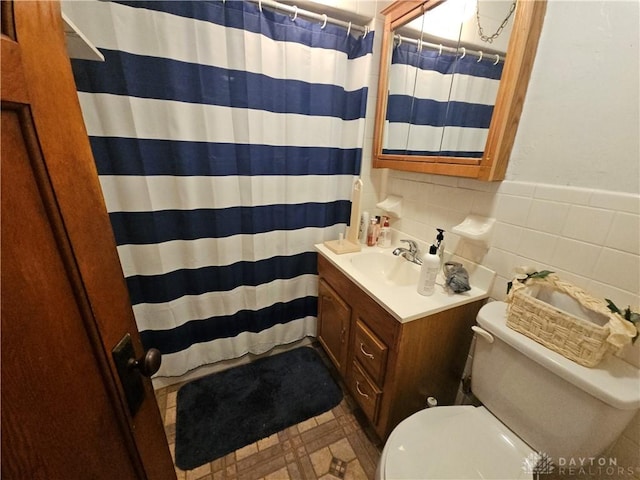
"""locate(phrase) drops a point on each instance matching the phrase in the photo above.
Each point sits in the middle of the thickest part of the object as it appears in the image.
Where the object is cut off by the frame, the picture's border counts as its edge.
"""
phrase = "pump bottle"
(429, 271)
(440, 245)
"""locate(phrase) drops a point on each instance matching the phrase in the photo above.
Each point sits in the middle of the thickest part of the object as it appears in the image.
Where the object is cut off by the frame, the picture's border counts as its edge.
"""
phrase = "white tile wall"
(589, 237)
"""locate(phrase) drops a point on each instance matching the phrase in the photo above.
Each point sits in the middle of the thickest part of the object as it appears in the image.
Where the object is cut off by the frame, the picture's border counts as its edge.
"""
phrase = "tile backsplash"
(591, 237)
(588, 237)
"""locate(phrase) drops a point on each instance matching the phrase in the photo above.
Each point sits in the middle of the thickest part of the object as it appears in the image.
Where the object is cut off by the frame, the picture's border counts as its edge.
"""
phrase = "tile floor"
(334, 445)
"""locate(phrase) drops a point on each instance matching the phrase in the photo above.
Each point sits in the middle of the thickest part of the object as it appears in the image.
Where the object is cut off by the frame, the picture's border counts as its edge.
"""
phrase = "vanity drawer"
(365, 392)
(370, 351)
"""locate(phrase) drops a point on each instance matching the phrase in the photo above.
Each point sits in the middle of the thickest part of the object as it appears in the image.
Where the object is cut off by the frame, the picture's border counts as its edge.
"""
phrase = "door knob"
(126, 364)
(148, 364)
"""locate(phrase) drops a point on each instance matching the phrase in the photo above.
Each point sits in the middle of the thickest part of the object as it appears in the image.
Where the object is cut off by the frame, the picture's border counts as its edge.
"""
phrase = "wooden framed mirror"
(497, 137)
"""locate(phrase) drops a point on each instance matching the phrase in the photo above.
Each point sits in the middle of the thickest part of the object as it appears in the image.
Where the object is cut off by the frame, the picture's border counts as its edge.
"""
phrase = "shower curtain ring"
(295, 14)
(260, 5)
(324, 23)
(480, 59)
(440, 50)
(497, 59)
(366, 30)
(399, 40)
(464, 52)
(349, 29)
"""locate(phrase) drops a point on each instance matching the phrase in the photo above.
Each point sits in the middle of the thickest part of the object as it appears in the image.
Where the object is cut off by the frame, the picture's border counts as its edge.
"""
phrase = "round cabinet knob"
(149, 364)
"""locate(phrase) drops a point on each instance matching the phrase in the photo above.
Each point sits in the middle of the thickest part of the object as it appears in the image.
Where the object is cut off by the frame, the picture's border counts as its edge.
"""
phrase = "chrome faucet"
(411, 253)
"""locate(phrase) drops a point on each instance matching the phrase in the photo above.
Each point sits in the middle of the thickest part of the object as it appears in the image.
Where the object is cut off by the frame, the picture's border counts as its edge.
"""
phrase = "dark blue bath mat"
(226, 411)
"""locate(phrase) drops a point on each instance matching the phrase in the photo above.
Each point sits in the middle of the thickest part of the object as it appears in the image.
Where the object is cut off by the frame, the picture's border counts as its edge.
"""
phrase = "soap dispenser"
(428, 272)
(440, 245)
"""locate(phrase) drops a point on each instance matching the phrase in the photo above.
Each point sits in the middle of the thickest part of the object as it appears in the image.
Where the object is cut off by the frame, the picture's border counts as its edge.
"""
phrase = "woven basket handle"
(578, 294)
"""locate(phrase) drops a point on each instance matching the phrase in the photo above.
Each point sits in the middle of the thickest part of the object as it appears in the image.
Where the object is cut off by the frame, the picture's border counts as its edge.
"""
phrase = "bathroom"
(570, 200)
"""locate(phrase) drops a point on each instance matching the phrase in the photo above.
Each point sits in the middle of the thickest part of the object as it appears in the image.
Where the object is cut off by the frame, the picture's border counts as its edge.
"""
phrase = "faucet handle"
(413, 246)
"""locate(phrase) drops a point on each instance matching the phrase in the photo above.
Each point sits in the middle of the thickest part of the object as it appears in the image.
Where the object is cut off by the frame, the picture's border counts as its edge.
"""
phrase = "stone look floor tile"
(342, 450)
(246, 451)
(261, 469)
(307, 468)
(294, 471)
(355, 472)
(170, 416)
(321, 461)
(199, 472)
(172, 399)
(170, 432)
(323, 438)
(268, 442)
(264, 456)
(231, 470)
(281, 474)
(307, 425)
(325, 417)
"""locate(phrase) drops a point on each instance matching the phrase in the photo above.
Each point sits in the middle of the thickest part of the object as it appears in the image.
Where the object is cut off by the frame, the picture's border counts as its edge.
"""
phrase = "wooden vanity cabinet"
(333, 330)
(389, 367)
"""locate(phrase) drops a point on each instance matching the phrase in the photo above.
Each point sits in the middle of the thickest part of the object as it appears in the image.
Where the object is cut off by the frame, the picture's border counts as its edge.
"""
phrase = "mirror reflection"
(444, 73)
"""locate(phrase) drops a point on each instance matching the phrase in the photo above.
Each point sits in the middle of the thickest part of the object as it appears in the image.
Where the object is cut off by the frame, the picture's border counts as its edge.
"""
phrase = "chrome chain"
(491, 38)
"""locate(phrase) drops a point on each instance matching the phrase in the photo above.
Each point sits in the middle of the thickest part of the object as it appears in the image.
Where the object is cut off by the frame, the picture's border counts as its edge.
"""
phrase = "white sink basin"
(387, 268)
(392, 281)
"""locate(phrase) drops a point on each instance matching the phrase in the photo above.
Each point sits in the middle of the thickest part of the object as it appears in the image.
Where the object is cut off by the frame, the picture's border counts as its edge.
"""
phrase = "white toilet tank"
(557, 406)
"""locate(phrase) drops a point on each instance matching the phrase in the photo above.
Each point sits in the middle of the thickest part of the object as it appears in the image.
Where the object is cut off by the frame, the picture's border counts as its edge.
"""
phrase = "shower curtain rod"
(444, 48)
(306, 13)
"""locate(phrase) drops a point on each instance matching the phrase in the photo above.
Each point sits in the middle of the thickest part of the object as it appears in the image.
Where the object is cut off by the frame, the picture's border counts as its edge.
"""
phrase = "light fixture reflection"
(444, 20)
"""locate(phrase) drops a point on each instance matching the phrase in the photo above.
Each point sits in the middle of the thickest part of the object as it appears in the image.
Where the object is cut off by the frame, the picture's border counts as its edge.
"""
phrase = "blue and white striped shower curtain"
(439, 103)
(227, 140)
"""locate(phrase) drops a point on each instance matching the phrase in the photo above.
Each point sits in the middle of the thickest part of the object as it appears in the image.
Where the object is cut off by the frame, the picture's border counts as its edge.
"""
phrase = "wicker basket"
(578, 339)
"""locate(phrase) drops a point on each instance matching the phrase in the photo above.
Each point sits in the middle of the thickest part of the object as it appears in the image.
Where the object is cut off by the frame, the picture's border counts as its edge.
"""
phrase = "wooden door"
(64, 300)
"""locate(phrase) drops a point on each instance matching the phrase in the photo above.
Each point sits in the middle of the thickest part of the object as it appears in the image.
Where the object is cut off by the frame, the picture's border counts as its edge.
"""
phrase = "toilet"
(536, 403)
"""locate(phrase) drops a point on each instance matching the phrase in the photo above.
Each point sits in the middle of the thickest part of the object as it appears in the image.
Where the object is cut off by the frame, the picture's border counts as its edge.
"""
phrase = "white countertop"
(404, 302)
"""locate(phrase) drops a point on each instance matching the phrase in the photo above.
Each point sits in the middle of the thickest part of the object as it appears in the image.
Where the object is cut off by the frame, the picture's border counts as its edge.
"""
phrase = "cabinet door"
(333, 325)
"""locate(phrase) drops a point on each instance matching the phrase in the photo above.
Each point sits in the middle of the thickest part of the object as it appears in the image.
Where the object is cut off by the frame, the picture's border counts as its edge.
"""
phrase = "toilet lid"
(460, 442)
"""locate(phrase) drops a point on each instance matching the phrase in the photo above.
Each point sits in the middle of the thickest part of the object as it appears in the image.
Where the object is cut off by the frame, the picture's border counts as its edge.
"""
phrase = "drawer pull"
(366, 354)
(360, 391)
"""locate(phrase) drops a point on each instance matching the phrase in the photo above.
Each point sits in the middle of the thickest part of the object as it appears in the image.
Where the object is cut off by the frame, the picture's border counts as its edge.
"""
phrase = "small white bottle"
(429, 271)
(372, 232)
(384, 240)
(364, 226)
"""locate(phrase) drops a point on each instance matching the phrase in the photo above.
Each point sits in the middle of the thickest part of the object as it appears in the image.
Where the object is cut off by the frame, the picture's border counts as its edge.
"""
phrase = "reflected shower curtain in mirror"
(227, 140)
(439, 103)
